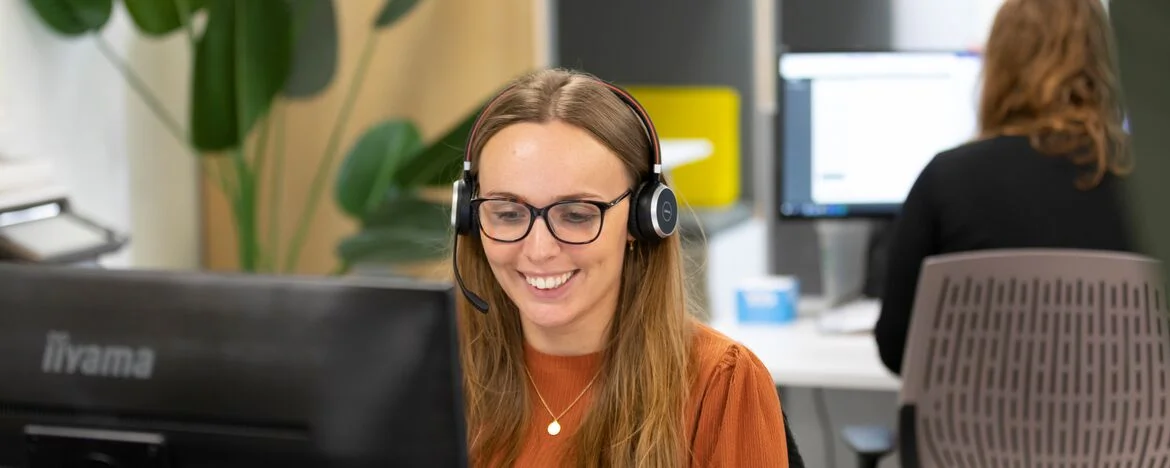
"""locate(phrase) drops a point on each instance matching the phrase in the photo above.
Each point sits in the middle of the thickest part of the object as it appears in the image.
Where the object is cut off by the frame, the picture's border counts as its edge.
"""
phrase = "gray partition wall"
(1143, 49)
(836, 24)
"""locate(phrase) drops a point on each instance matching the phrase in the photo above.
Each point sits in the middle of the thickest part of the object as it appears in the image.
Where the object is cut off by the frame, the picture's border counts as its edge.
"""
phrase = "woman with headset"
(577, 346)
(1047, 169)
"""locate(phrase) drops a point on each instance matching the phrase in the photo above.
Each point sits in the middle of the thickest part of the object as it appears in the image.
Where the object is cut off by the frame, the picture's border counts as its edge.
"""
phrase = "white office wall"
(62, 101)
(942, 24)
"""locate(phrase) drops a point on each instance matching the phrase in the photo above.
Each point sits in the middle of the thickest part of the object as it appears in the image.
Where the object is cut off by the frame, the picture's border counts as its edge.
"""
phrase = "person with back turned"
(1047, 168)
(577, 346)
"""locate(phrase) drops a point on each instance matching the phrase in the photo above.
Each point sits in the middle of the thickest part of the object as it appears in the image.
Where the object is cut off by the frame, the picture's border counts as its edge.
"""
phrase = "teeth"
(548, 282)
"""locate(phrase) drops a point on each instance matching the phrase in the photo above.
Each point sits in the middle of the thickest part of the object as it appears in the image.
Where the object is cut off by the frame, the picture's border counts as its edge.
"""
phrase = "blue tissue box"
(768, 300)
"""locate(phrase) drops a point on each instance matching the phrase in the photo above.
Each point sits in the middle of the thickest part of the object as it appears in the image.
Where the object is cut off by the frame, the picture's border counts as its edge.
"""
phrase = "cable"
(826, 427)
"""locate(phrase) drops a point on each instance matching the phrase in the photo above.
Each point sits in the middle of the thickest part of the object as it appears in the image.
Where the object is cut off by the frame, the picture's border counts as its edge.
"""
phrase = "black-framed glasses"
(570, 221)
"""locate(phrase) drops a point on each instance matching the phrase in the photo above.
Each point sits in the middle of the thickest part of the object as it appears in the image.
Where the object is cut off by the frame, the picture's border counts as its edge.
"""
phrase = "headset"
(654, 207)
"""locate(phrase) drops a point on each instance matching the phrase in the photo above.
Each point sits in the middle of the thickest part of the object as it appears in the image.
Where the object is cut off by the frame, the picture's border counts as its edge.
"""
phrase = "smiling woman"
(584, 353)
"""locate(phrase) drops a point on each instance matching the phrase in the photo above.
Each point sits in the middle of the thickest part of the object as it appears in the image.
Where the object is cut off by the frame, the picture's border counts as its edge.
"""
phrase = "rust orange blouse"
(735, 418)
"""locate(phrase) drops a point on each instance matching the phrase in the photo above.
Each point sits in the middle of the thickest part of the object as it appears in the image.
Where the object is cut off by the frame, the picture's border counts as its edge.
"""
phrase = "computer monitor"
(181, 369)
(856, 128)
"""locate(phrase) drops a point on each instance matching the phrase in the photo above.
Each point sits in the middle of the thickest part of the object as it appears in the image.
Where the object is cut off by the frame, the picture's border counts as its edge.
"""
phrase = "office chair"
(1037, 358)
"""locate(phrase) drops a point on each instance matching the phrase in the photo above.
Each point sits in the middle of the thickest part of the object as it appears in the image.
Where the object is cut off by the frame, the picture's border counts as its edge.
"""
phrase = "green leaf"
(214, 123)
(73, 17)
(398, 206)
(314, 59)
(406, 229)
(93, 13)
(442, 161)
(241, 63)
(160, 17)
(399, 244)
(367, 171)
(392, 11)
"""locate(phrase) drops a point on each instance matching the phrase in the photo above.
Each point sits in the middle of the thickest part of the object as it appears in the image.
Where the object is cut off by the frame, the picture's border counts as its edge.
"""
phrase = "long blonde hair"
(1050, 73)
(637, 416)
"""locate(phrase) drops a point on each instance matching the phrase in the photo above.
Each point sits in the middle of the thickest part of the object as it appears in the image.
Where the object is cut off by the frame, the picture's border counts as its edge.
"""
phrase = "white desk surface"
(799, 355)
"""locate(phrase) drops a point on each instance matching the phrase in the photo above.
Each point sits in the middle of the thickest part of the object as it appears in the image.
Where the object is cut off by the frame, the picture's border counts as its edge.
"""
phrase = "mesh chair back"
(1022, 358)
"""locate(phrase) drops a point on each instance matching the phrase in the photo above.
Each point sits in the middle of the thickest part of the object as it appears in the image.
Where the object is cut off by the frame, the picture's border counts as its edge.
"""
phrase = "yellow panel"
(699, 112)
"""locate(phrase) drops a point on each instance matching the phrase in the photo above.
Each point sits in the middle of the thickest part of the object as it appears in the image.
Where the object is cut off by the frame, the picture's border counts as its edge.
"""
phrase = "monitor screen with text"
(857, 127)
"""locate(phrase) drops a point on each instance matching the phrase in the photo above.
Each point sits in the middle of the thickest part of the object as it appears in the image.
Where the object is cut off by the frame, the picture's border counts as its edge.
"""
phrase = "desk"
(799, 355)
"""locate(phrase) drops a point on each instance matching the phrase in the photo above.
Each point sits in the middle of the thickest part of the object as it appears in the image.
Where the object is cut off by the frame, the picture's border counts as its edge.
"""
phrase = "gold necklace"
(554, 427)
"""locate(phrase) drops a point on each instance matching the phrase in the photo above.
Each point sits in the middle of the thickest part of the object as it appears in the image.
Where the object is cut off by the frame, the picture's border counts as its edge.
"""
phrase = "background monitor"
(856, 128)
(169, 369)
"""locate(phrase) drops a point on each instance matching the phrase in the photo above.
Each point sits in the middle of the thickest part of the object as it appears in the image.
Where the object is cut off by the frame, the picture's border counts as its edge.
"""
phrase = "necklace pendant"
(554, 428)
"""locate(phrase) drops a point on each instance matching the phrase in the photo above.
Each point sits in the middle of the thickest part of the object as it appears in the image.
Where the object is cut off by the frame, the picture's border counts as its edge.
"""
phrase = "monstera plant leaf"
(241, 62)
(441, 162)
(379, 183)
(405, 228)
(161, 17)
(369, 169)
(74, 17)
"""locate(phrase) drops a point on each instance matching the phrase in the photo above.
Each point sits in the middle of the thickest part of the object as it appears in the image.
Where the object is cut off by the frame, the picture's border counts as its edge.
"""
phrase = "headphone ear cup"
(462, 219)
(636, 210)
(655, 212)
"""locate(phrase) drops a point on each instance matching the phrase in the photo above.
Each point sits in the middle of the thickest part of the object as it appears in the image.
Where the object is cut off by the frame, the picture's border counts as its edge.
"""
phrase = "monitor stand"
(844, 251)
(853, 253)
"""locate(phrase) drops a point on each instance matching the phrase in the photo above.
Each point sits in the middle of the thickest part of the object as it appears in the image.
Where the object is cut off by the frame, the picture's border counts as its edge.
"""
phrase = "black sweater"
(991, 194)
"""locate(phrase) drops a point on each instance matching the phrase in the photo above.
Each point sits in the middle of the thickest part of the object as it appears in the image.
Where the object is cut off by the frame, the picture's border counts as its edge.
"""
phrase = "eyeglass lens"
(570, 222)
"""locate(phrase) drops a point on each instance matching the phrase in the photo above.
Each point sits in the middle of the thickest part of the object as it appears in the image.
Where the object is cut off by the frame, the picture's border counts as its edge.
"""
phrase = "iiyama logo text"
(123, 362)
